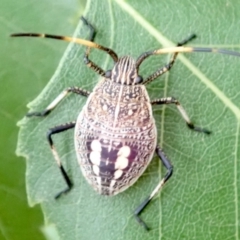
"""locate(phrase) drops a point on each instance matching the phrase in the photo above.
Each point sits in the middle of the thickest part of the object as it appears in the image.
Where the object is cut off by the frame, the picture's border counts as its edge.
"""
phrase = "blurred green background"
(23, 74)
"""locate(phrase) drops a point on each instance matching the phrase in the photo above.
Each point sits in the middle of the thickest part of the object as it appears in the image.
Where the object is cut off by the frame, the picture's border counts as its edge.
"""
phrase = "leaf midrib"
(202, 77)
(164, 41)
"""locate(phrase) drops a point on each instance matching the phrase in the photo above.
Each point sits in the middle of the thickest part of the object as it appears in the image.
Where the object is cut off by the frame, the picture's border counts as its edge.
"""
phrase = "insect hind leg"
(55, 130)
(167, 164)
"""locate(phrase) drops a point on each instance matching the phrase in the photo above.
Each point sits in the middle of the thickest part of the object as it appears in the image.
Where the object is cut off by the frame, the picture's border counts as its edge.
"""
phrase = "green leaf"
(201, 200)
(24, 70)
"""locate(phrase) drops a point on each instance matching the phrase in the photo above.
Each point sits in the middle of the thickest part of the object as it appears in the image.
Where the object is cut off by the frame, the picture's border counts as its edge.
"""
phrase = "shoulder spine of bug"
(110, 159)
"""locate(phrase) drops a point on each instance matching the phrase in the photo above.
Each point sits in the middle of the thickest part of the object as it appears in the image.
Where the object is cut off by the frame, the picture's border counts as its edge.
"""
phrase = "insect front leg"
(86, 60)
(172, 100)
(58, 99)
(143, 205)
(59, 129)
(165, 68)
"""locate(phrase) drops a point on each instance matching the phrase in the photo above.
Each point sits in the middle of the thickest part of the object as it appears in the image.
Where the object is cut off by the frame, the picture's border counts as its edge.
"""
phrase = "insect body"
(115, 133)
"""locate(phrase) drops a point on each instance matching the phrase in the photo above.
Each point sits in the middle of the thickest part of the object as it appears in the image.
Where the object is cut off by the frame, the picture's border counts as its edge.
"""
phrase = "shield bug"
(115, 133)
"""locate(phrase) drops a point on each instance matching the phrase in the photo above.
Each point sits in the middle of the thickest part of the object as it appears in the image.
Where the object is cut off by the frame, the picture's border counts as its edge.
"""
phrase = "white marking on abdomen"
(118, 174)
(121, 163)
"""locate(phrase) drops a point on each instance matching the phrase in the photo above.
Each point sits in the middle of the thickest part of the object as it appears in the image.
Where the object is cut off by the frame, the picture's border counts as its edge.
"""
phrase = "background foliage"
(24, 71)
(201, 201)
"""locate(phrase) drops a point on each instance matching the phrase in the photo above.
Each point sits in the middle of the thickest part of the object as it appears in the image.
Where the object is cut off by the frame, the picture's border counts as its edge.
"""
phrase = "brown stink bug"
(115, 132)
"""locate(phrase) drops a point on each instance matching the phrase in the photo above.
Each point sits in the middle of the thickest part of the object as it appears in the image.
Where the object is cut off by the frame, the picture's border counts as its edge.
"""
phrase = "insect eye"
(138, 79)
(108, 74)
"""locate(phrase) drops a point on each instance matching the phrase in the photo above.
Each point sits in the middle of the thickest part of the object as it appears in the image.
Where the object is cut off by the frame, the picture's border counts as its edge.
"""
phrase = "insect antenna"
(70, 39)
(182, 49)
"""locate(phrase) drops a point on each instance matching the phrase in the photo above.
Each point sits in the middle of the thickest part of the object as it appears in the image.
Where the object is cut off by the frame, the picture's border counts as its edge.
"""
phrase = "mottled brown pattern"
(116, 115)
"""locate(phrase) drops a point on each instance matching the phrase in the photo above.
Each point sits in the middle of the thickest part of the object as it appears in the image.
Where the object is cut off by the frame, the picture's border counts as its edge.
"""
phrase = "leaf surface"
(201, 200)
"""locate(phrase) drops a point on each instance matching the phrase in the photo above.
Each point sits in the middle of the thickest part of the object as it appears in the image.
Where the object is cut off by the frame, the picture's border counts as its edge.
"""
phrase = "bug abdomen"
(115, 136)
(112, 162)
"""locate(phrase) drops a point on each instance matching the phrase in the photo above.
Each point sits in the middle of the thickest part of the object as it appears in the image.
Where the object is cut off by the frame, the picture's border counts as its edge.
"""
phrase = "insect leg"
(168, 66)
(52, 131)
(172, 100)
(87, 61)
(142, 206)
(56, 101)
